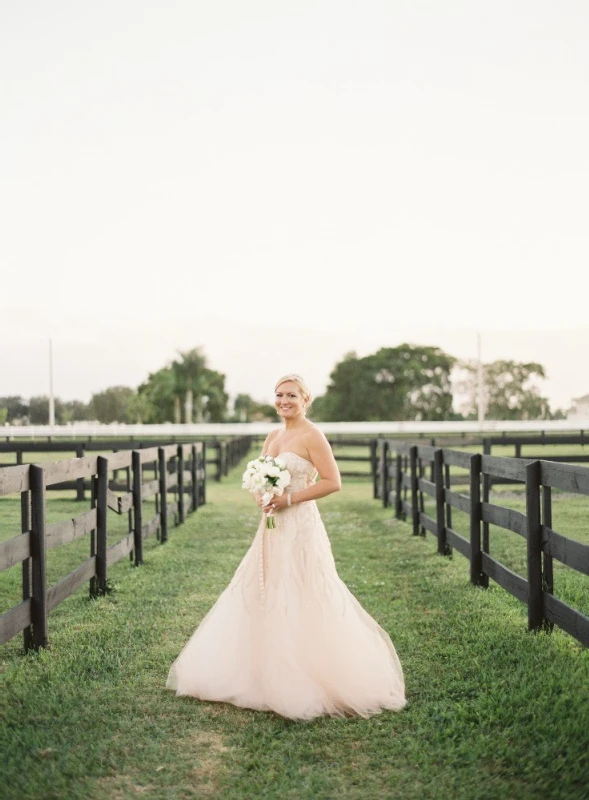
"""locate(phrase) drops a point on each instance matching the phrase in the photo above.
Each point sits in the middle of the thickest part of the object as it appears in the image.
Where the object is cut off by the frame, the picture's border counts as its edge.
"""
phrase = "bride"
(287, 635)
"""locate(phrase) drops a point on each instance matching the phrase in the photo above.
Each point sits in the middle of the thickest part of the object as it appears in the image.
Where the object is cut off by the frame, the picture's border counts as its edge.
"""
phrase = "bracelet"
(288, 500)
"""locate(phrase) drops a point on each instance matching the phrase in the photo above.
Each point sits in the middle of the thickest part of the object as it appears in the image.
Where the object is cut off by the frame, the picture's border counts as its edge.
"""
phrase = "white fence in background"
(84, 430)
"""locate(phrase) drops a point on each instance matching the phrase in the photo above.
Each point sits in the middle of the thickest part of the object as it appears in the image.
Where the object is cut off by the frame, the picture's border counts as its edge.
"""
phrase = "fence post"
(137, 513)
(174, 471)
(203, 484)
(93, 496)
(414, 497)
(443, 547)
(163, 476)
(219, 449)
(384, 473)
(80, 492)
(38, 555)
(157, 499)
(194, 474)
(399, 487)
(180, 474)
(487, 445)
(547, 520)
(534, 537)
(420, 474)
(374, 467)
(476, 572)
(101, 523)
(25, 526)
(547, 573)
(128, 486)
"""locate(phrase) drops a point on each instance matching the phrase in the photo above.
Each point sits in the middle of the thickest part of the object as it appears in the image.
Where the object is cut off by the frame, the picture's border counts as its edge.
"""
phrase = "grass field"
(493, 711)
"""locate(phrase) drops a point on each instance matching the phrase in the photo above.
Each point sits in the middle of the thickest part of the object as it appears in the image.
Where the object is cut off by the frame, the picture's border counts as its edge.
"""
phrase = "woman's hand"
(277, 503)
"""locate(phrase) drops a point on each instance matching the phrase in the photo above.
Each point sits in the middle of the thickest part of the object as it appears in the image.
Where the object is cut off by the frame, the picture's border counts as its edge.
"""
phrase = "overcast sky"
(282, 182)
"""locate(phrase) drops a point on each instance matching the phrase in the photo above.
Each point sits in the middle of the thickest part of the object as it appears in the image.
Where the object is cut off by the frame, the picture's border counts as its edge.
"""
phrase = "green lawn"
(570, 517)
(493, 712)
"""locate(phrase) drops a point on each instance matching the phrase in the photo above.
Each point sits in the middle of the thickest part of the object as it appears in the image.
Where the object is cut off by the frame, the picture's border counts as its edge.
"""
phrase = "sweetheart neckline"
(292, 453)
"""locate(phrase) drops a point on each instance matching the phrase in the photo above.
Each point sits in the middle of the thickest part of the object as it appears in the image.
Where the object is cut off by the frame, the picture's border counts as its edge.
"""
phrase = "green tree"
(264, 412)
(215, 398)
(246, 409)
(191, 380)
(3, 415)
(408, 382)
(112, 404)
(75, 411)
(39, 410)
(558, 413)
(242, 408)
(17, 410)
(158, 394)
(138, 409)
(511, 390)
(187, 383)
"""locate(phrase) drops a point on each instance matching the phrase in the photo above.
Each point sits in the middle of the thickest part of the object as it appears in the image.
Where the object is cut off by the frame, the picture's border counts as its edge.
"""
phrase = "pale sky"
(282, 182)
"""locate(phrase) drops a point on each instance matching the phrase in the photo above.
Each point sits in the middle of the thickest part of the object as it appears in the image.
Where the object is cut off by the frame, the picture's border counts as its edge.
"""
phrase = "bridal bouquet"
(268, 475)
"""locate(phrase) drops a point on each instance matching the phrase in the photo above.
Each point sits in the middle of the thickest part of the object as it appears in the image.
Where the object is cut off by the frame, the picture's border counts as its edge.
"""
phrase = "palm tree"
(190, 374)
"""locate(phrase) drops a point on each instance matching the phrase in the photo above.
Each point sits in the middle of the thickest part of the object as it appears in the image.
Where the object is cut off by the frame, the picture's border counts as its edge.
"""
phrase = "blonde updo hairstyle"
(303, 388)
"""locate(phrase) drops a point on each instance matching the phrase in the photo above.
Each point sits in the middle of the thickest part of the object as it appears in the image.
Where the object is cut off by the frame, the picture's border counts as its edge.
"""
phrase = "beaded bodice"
(302, 471)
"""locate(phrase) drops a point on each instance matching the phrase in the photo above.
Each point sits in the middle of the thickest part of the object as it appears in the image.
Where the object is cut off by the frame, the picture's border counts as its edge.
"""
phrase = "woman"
(287, 635)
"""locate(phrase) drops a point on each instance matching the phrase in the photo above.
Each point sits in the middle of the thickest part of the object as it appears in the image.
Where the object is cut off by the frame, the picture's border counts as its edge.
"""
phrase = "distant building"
(580, 408)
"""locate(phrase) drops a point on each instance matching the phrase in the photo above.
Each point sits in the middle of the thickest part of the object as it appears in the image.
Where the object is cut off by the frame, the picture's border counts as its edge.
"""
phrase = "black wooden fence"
(227, 453)
(406, 473)
(537, 443)
(176, 469)
(350, 452)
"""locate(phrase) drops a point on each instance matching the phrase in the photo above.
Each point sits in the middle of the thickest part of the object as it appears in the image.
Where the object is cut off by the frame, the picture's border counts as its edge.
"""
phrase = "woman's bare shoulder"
(314, 436)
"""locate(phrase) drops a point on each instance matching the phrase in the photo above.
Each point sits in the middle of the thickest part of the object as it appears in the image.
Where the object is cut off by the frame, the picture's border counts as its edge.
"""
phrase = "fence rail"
(351, 453)
(178, 468)
(227, 453)
(400, 481)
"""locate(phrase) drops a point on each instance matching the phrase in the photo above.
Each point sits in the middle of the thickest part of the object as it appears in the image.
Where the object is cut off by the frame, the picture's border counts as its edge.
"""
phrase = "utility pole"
(51, 398)
(480, 382)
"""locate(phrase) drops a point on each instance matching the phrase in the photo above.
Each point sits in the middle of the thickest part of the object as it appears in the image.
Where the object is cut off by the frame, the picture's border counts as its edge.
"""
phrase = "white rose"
(258, 482)
(284, 479)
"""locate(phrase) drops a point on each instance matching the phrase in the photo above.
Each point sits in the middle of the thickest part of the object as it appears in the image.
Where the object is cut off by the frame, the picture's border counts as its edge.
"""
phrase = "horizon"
(241, 381)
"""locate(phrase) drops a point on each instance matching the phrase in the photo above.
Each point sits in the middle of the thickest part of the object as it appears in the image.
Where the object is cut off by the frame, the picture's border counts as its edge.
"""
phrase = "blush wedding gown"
(287, 635)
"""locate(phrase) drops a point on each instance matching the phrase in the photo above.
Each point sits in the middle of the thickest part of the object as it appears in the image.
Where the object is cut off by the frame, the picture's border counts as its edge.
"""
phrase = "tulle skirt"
(288, 636)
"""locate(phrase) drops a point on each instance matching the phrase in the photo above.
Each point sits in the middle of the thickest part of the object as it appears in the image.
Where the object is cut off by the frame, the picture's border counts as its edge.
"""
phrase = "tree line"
(413, 382)
(407, 382)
